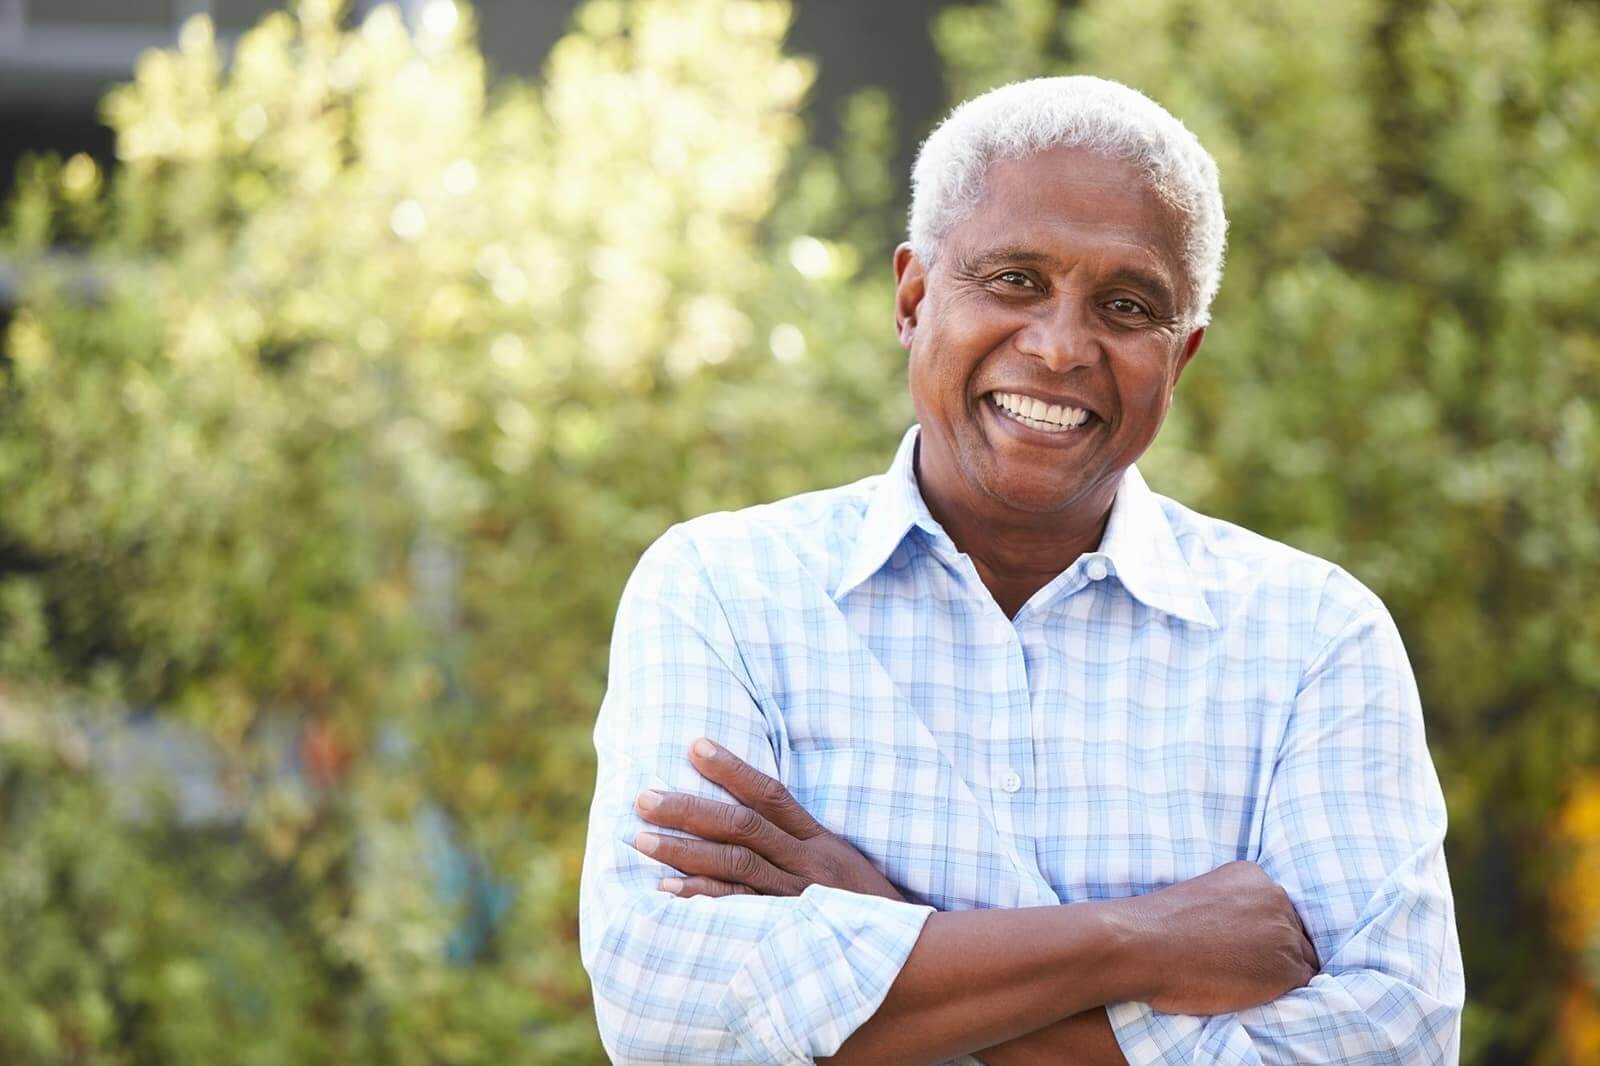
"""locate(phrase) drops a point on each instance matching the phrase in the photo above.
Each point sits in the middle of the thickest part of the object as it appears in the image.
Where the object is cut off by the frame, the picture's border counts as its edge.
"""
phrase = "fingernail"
(649, 799)
(646, 842)
(672, 884)
(704, 748)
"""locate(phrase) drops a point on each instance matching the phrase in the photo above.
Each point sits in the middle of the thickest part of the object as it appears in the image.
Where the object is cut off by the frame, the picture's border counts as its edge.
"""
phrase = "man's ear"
(1191, 345)
(911, 283)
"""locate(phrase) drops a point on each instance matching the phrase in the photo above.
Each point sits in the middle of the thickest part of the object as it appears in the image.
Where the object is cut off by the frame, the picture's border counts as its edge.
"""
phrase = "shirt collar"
(896, 506)
(1144, 551)
(1138, 539)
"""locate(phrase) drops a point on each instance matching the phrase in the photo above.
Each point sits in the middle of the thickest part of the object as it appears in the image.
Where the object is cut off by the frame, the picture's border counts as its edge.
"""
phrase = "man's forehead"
(1054, 206)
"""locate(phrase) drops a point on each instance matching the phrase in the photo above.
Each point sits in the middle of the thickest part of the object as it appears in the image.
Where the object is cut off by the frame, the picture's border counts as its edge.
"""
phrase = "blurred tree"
(363, 393)
(1412, 193)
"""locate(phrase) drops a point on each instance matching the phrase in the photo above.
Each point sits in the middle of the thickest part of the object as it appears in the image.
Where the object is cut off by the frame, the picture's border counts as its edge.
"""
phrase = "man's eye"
(1016, 277)
(1124, 306)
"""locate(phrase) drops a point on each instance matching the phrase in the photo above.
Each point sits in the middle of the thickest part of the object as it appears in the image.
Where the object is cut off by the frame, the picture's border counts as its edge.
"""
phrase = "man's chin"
(1032, 495)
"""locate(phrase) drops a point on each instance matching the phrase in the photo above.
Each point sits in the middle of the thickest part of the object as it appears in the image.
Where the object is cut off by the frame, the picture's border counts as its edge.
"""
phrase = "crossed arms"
(1226, 938)
(774, 978)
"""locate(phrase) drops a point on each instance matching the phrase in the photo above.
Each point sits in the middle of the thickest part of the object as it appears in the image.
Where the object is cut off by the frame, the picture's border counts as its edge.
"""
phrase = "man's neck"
(1016, 553)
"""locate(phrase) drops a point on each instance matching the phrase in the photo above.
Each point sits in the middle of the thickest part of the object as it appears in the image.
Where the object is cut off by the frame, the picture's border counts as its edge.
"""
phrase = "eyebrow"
(1149, 281)
(1014, 255)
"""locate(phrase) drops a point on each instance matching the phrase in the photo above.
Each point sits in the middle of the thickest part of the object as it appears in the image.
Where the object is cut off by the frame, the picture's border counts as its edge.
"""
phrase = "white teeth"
(1052, 418)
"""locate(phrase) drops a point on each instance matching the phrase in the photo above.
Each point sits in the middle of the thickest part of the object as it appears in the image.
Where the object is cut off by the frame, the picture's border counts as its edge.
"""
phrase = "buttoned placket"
(1014, 776)
(1006, 759)
(1027, 722)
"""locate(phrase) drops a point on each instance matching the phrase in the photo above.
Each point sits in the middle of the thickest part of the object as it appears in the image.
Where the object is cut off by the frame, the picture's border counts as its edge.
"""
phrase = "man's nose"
(1062, 335)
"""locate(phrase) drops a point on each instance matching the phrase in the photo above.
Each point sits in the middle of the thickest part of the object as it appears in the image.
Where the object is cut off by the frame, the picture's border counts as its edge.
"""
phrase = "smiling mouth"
(1036, 414)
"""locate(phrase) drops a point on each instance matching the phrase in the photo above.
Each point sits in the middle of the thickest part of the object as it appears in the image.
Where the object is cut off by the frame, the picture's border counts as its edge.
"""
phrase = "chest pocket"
(912, 818)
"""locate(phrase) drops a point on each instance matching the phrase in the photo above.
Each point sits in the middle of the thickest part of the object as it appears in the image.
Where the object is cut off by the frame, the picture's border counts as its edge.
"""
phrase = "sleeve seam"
(747, 677)
(1366, 614)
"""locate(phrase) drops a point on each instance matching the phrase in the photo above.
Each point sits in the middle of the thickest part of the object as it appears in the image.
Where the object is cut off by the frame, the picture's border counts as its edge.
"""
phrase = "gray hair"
(1028, 117)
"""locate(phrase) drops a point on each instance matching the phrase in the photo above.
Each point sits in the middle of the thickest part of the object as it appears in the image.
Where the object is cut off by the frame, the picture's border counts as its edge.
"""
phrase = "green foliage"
(366, 390)
(1402, 370)
(127, 943)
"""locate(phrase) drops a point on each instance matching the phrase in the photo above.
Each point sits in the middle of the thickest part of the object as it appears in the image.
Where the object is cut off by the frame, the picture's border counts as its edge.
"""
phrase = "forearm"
(1374, 1018)
(981, 978)
(1085, 1039)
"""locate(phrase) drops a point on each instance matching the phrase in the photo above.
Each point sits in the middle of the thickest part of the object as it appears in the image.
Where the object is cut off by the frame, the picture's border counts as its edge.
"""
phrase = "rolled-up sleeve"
(734, 979)
(1354, 831)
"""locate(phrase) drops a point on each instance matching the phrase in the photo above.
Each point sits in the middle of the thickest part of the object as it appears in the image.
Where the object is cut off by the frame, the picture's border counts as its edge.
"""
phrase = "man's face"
(1064, 288)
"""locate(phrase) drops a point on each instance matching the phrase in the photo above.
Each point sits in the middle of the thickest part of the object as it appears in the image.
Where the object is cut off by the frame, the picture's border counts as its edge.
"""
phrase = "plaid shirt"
(1187, 695)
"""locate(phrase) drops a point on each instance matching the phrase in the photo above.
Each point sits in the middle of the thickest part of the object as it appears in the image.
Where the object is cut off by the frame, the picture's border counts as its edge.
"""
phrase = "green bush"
(364, 391)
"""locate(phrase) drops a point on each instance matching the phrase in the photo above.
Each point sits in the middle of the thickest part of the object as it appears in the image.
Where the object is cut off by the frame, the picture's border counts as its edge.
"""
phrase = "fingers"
(730, 863)
(703, 886)
(1310, 946)
(754, 789)
(1310, 951)
(726, 823)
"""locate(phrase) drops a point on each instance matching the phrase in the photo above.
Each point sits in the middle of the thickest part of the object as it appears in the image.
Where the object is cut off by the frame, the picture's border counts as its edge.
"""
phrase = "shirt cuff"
(820, 972)
(1146, 1036)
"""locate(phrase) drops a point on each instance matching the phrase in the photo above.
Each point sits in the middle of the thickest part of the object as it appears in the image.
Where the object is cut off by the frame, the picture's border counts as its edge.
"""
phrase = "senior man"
(1013, 757)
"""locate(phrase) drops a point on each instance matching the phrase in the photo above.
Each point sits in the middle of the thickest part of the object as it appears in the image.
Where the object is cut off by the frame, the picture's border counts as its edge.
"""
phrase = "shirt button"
(1096, 569)
(1011, 782)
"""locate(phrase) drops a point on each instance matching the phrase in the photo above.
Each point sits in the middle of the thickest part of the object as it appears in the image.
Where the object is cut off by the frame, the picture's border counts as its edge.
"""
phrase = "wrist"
(1133, 969)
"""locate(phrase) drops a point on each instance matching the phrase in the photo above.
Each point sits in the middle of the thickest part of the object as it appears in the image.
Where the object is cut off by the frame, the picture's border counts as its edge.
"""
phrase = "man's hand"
(1220, 942)
(769, 846)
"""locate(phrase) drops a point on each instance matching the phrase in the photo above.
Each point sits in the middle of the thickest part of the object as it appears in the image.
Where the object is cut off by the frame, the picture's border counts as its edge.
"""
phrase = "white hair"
(1028, 117)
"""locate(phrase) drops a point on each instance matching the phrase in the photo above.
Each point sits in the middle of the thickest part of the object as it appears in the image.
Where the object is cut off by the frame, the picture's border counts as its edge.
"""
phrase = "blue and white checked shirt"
(1187, 695)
